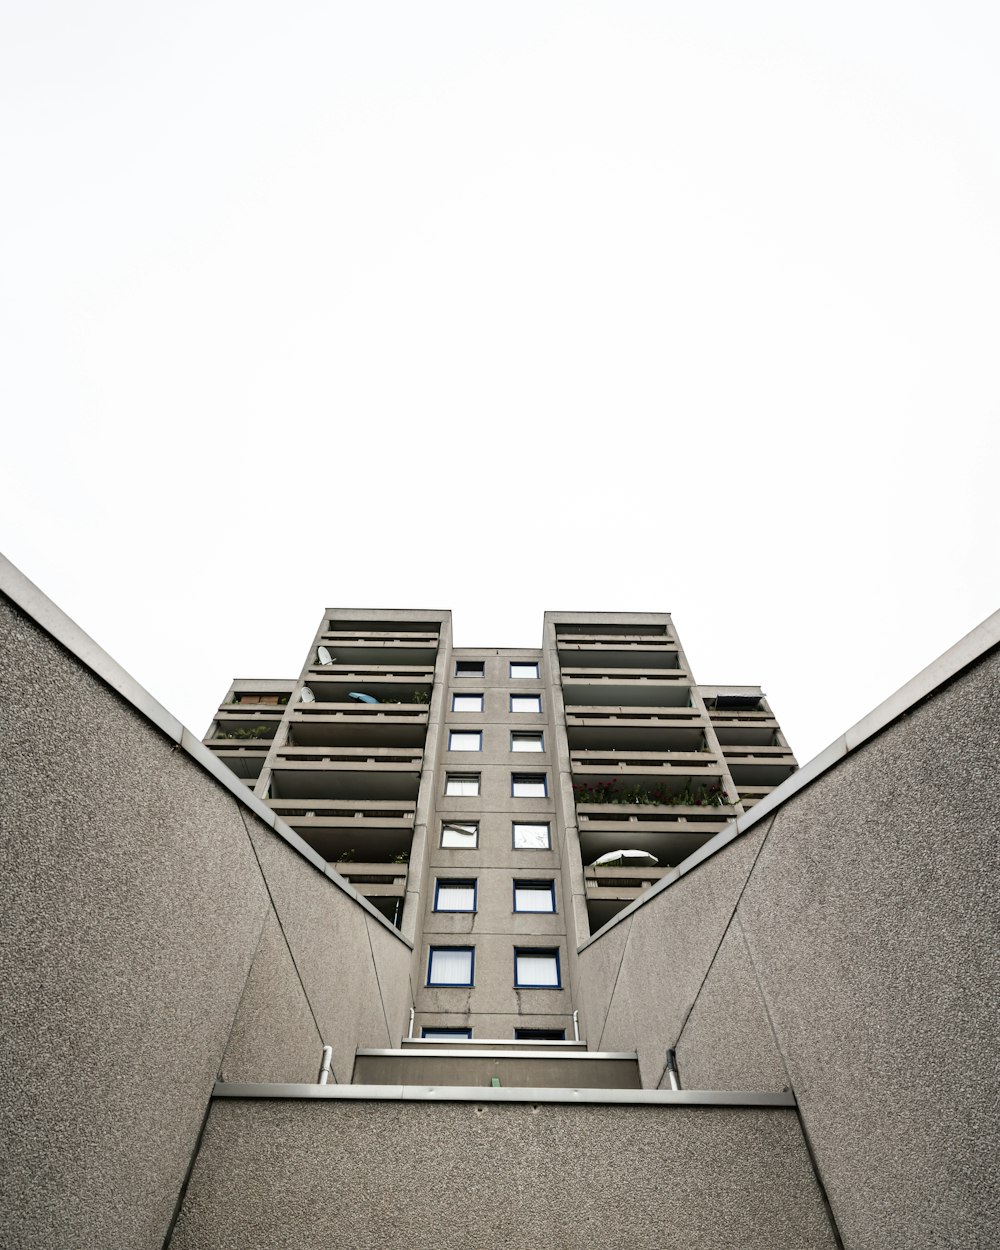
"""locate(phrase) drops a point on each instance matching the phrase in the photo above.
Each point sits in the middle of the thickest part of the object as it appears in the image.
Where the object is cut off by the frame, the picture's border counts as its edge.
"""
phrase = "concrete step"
(471, 1066)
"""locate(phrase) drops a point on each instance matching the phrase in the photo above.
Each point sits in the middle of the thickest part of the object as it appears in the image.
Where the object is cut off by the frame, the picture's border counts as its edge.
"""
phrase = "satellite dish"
(324, 655)
(307, 695)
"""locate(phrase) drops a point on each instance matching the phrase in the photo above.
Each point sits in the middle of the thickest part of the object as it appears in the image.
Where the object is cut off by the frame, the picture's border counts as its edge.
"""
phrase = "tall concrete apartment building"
(471, 794)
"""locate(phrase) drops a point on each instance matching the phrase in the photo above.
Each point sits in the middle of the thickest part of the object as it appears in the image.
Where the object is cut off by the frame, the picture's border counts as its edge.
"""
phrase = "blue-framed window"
(527, 740)
(465, 740)
(529, 785)
(537, 968)
(447, 1035)
(539, 1035)
(534, 896)
(526, 703)
(531, 835)
(524, 670)
(470, 668)
(466, 702)
(451, 965)
(453, 895)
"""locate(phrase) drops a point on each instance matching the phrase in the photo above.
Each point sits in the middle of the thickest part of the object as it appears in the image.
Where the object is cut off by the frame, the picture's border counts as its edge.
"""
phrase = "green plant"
(420, 696)
(256, 731)
(402, 858)
(615, 791)
(346, 857)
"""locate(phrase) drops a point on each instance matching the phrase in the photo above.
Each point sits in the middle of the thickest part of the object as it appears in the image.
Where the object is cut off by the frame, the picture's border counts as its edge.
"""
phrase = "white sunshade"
(636, 857)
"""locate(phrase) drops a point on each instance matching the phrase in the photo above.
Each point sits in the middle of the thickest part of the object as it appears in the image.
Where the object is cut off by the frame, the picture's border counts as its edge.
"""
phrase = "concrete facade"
(486, 1175)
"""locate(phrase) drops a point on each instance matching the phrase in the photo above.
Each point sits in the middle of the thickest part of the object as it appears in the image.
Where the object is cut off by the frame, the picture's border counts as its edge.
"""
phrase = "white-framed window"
(450, 1035)
(470, 668)
(452, 895)
(466, 702)
(465, 740)
(524, 670)
(460, 834)
(520, 741)
(461, 785)
(529, 785)
(451, 965)
(533, 835)
(537, 896)
(536, 969)
(525, 702)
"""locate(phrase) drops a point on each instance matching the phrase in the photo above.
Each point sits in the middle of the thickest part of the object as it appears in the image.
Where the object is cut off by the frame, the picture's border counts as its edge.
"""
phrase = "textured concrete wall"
(852, 956)
(140, 953)
(422, 1176)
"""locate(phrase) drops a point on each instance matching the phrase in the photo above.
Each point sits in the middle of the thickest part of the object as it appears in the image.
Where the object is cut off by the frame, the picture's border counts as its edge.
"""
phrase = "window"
(536, 969)
(534, 896)
(451, 965)
(462, 785)
(466, 702)
(537, 1035)
(531, 837)
(470, 668)
(461, 836)
(525, 702)
(463, 740)
(526, 742)
(448, 1035)
(529, 786)
(456, 896)
(524, 672)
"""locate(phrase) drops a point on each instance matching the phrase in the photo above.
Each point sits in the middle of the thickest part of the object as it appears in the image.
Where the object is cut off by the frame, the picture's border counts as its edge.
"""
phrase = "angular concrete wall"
(846, 946)
(155, 933)
(297, 1175)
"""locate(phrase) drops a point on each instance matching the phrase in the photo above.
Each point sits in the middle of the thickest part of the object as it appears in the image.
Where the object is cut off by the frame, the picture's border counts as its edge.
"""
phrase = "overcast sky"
(505, 307)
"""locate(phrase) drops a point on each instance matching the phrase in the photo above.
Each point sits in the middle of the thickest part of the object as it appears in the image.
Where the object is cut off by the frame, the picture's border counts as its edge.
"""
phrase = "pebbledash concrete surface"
(174, 956)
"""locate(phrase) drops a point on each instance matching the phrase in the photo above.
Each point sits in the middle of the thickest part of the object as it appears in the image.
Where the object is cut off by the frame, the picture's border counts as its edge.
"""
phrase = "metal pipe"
(673, 1076)
(326, 1065)
(413, 1012)
(576, 1026)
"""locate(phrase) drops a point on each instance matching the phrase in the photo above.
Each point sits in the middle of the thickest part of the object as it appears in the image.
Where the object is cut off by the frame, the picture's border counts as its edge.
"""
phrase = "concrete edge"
(976, 644)
(40, 608)
(547, 1055)
(510, 1093)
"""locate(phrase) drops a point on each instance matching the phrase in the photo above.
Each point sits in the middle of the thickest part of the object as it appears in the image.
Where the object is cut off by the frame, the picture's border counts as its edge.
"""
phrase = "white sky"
(630, 306)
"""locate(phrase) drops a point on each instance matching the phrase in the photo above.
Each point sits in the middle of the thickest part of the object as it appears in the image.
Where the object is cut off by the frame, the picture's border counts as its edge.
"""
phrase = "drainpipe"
(673, 1076)
(576, 1026)
(326, 1065)
(413, 1012)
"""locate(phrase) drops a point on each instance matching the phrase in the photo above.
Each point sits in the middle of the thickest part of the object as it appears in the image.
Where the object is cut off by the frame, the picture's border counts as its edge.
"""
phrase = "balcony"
(759, 766)
(371, 830)
(636, 656)
(738, 733)
(367, 649)
(359, 724)
(346, 772)
(246, 759)
(670, 833)
(583, 687)
(333, 683)
(608, 890)
(383, 885)
(234, 716)
(598, 766)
